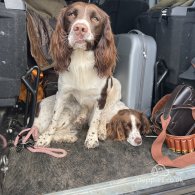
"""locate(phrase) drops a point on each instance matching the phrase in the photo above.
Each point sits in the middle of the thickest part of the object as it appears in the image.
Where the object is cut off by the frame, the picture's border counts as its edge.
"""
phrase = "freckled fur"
(128, 124)
(83, 70)
(112, 123)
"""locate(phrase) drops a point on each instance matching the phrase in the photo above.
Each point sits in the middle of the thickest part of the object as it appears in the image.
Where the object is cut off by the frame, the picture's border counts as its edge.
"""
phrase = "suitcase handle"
(135, 31)
(32, 88)
(168, 11)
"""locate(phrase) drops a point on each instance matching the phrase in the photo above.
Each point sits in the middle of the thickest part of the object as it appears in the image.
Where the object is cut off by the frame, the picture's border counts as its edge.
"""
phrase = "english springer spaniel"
(128, 125)
(84, 54)
(118, 120)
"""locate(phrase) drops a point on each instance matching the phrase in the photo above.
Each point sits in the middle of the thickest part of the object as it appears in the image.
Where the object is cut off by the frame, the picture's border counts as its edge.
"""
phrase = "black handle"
(158, 79)
(32, 88)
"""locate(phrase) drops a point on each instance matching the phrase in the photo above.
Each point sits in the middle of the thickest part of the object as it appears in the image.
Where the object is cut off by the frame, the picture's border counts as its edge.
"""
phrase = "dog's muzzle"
(80, 34)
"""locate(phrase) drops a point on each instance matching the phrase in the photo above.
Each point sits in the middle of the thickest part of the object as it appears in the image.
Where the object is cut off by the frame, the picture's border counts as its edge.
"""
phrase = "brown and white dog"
(84, 54)
(117, 120)
(128, 125)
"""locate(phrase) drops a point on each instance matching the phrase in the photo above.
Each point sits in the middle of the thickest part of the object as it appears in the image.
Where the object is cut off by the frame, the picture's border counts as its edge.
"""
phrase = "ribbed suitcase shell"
(135, 69)
(13, 53)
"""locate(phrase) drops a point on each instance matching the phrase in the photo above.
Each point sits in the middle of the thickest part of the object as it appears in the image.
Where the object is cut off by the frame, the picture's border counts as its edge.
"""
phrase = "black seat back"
(123, 13)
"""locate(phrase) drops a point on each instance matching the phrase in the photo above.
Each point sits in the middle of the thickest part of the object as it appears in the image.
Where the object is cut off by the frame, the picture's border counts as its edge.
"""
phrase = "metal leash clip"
(153, 133)
(4, 164)
(21, 146)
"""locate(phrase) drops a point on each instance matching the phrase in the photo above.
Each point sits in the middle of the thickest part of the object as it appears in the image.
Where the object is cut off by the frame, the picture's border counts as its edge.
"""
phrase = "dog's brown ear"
(145, 127)
(105, 52)
(59, 48)
(115, 130)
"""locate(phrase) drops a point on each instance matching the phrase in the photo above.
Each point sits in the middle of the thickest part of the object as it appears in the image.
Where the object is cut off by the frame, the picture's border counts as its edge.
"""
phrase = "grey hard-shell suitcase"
(135, 69)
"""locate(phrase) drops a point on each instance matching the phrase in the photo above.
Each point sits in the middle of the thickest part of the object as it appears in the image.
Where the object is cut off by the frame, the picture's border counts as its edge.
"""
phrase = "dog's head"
(128, 124)
(84, 26)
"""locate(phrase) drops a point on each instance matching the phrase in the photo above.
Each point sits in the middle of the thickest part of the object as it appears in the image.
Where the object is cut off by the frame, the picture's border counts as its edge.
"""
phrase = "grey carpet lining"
(33, 173)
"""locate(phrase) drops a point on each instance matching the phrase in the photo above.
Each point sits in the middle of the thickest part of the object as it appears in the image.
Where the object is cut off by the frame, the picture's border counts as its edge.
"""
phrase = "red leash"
(25, 142)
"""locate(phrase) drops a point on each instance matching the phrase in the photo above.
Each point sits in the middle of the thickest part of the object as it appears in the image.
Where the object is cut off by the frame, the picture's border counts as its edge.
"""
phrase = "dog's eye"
(95, 19)
(138, 125)
(129, 125)
(71, 14)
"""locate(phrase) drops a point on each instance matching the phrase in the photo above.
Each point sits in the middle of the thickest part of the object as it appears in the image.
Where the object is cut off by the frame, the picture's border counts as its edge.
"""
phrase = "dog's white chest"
(82, 80)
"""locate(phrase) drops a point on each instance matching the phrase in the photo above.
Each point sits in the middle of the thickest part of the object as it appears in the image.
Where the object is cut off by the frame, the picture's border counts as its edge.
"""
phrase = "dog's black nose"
(138, 141)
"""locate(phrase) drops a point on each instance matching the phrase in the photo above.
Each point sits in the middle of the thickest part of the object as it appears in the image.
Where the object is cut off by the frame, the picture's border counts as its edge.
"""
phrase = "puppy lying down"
(119, 122)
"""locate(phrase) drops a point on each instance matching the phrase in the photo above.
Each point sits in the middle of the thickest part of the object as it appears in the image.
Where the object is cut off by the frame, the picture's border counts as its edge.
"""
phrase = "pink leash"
(4, 141)
(55, 152)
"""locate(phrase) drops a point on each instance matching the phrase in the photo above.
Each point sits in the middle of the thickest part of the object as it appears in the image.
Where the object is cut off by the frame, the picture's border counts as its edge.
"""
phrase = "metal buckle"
(4, 163)
(20, 146)
(153, 133)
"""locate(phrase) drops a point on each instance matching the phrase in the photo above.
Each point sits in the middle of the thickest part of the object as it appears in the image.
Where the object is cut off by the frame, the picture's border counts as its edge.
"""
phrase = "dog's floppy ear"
(59, 49)
(105, 52)
(145, 125)
(115, 130)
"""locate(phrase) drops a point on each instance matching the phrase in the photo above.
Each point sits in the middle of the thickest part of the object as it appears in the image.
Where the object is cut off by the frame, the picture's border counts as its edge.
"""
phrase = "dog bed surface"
(33, 173)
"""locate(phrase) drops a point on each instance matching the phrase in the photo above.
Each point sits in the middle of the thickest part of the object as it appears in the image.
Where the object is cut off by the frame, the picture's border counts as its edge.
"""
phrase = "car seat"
(123, 13)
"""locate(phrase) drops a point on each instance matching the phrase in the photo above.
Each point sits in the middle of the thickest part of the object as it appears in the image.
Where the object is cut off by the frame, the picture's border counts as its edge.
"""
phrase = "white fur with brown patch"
(134, 137)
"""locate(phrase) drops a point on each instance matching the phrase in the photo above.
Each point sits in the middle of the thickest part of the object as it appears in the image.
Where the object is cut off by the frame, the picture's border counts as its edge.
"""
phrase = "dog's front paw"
(91, 142)
(102, 135)
(44, 140)
(102, 132)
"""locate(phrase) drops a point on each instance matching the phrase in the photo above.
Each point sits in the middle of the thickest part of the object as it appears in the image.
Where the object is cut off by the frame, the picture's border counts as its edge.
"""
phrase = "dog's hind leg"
(44, 117)
(59, 106)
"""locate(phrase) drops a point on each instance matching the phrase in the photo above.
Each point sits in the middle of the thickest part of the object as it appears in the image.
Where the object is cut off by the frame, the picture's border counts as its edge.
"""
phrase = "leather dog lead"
(156, 149)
